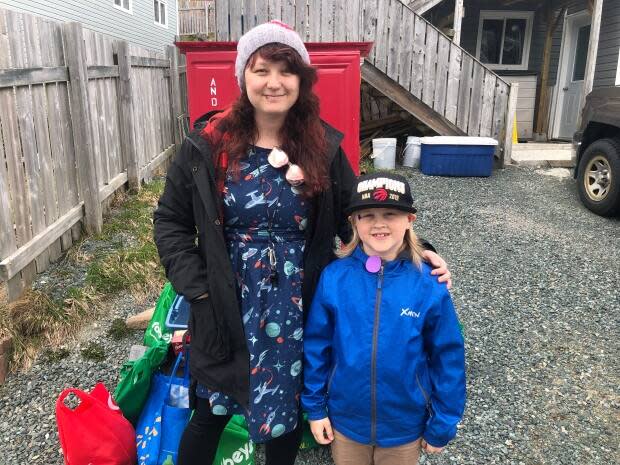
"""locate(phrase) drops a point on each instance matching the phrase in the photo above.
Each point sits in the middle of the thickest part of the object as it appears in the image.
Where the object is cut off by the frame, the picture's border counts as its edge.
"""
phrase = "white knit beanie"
(263, 34)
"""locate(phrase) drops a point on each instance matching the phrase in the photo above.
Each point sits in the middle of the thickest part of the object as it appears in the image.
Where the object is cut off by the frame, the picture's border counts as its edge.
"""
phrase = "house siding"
(137, 27)
(608, 46)
(470, 22)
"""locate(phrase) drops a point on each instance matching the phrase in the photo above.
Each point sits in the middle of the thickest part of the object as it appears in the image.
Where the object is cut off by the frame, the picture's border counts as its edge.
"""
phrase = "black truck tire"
(598, 177)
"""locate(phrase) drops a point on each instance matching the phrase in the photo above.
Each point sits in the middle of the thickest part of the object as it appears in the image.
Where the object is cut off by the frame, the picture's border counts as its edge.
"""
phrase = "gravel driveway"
(537, 288)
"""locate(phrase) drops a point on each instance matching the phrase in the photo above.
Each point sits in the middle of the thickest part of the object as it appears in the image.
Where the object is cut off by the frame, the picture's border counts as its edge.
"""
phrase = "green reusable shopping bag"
(135, 380)
(307, 439)
(156, 330)
(235, 447)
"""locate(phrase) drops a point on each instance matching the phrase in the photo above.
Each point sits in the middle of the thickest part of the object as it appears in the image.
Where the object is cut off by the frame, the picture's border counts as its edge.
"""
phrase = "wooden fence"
(440, 82)
(196, 17)
(81, 115)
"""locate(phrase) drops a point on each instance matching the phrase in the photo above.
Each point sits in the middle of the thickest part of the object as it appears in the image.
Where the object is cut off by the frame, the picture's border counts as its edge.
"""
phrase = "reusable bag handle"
(176, 367)
(85, 400)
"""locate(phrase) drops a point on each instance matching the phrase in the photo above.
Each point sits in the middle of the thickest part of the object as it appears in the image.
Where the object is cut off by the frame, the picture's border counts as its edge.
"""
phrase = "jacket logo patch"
(410, 313)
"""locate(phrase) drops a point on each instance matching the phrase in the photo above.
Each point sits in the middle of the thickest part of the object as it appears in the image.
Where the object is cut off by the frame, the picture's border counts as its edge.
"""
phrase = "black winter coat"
(190, 240)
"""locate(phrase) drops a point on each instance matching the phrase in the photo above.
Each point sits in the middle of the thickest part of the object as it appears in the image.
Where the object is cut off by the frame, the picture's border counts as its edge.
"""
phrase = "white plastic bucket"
(413, 148)
(384, 153)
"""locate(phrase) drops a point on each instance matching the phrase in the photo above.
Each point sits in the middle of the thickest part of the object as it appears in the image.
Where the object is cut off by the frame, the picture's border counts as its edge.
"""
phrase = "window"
(581, 54)
(504, 39)
(160, 12)
(123, 5)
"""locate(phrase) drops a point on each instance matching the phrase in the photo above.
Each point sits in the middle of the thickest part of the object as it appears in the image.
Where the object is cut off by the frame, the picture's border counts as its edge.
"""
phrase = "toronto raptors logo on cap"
(380, 194)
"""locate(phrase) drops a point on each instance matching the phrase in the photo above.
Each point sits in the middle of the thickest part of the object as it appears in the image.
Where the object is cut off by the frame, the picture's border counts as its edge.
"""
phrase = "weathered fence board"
(274, 8)
(26, 77)
(301, 20)
(475, 111)
(454, 78)
(501, 102)
(340, 21)
(406, 51)
(128, 139)
(221, 17)
(64, 153)
(441, 78)
(249, 14)
(314, 20)
(462, 114)
(327, 21)
(81, 108)
(288, 12)
(430, 64)
(381, 41)
(370, 25)
(394, 40)
(7, 240)
(417, 78)
(262, 12)
(488, 99)
(235, 16)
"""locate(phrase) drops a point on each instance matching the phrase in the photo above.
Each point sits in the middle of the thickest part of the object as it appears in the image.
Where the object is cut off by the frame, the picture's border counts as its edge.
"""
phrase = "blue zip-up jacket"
(384, 355)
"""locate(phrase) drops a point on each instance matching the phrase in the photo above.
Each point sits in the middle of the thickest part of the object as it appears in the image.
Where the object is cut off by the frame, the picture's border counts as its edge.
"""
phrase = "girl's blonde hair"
(410, 242)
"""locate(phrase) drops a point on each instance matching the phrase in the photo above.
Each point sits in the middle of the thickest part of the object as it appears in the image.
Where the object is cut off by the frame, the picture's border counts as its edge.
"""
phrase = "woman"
(243, 232)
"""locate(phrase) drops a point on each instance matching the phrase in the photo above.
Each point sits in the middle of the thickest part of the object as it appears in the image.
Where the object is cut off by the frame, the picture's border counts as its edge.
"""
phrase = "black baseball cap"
(381, 190)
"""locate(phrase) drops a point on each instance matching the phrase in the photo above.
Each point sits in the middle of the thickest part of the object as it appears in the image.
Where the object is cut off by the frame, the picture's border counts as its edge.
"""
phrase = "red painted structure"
(211, 83)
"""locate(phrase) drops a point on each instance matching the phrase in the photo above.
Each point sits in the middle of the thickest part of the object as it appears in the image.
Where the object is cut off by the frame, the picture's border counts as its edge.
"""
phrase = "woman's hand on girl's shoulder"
(426, 447)
(440, 267)
(322, 430)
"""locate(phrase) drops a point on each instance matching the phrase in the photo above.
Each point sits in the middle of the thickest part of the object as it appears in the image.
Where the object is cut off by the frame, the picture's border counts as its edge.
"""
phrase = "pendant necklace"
(271, 250)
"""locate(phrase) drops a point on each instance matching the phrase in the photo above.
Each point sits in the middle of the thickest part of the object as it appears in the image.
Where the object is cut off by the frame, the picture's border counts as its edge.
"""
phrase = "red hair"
(302, 134)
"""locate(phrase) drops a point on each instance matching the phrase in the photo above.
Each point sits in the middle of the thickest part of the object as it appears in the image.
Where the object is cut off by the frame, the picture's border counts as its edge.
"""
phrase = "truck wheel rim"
(597, 179)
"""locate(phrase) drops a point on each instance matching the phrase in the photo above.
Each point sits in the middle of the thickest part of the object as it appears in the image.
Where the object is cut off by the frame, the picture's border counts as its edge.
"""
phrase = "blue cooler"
(457, 156)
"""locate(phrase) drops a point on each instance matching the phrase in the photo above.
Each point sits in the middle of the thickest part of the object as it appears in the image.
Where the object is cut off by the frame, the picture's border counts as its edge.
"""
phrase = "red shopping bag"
(95, 432)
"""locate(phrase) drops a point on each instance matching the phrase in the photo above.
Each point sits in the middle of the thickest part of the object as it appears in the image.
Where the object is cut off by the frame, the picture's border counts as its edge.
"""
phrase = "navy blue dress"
(262, 211)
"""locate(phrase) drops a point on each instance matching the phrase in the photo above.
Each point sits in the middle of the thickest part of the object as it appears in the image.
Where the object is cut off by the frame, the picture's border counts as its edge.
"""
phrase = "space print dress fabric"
(270, 307)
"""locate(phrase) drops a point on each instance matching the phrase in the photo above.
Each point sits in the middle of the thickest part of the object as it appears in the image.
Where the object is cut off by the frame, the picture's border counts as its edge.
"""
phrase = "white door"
(572, 73)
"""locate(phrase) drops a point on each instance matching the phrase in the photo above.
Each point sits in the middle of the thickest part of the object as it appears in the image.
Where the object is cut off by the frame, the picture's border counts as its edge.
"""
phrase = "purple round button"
(373, 264)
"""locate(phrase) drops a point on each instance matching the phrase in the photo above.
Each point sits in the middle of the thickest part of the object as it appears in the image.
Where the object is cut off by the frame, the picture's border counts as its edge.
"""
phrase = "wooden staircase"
(412, 62)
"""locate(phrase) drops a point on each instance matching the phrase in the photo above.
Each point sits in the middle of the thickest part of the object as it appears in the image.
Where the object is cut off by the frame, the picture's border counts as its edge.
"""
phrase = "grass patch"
(54, 355)
(130, 268)
(94, 352)
(118, 330)
(121, 258)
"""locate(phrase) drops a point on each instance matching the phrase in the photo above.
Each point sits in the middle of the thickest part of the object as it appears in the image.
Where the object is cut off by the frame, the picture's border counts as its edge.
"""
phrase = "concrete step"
(544, 146)
(554, 155)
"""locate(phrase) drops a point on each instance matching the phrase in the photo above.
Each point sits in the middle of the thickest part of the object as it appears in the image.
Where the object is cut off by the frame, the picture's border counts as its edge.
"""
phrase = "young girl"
(384, 364)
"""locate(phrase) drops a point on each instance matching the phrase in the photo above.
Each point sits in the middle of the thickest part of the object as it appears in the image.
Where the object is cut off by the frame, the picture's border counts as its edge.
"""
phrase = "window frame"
(504, 15)
(165, 3)
(122, 8)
